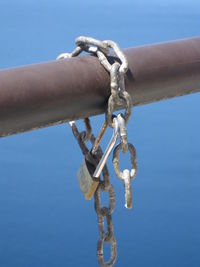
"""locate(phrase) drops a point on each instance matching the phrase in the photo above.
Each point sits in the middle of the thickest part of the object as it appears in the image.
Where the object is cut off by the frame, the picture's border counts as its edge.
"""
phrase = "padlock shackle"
(109, 148)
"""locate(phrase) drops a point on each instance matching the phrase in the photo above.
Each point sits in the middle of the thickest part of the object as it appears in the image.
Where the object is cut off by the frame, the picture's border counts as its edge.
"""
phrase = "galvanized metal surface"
(45, 94)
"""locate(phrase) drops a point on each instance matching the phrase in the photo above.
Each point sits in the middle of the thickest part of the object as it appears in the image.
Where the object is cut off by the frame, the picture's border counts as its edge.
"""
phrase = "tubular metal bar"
(44, 94)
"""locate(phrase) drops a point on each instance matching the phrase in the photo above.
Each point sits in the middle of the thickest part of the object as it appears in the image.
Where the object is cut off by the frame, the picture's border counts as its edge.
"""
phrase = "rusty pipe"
(44, 94)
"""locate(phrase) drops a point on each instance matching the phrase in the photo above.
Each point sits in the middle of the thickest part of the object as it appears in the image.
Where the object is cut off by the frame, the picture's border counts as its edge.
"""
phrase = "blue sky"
(44, 219)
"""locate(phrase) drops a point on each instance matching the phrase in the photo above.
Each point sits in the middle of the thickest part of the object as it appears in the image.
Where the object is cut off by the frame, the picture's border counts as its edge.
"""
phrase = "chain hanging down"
(93, 156)
(119, 98)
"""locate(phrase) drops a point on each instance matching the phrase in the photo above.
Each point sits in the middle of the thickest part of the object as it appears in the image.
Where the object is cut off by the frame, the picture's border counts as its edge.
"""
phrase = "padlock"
(88, 175)
(87, 183)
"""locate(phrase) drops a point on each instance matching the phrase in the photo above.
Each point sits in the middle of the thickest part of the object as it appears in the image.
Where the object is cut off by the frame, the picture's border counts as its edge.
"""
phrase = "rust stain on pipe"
(44, 94)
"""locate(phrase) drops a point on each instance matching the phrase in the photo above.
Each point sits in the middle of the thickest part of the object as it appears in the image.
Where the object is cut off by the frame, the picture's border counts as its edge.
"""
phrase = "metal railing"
(44, 94)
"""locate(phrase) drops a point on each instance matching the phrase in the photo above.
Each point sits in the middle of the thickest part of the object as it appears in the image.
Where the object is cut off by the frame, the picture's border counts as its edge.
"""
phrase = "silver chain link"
(119, 98)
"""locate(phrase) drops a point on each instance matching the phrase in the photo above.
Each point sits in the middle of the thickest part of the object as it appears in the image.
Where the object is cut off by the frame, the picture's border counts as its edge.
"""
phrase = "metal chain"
(119, 98)
(93, 156)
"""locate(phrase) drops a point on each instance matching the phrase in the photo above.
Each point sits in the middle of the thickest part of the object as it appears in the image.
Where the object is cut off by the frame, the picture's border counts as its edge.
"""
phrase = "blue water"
(44, 219)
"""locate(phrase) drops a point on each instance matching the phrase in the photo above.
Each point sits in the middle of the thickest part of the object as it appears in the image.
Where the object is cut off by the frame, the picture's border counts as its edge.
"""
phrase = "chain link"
(116, 165)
